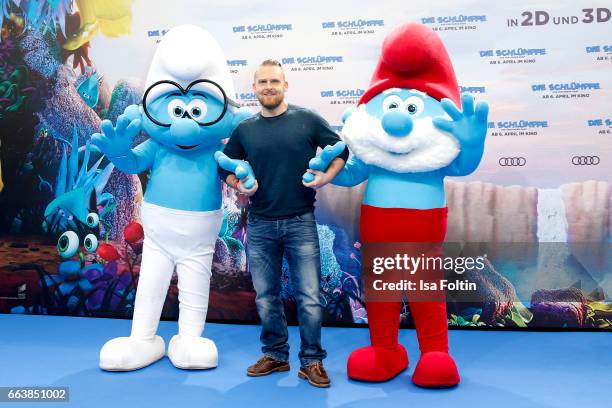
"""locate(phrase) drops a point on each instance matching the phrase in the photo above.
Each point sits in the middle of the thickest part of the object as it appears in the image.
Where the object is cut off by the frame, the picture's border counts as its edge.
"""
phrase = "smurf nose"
(397, 123)
(184, 128)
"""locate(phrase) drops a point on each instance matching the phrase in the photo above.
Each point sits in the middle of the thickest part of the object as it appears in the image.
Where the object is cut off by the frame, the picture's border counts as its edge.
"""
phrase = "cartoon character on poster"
(186, 110)
(410, 130)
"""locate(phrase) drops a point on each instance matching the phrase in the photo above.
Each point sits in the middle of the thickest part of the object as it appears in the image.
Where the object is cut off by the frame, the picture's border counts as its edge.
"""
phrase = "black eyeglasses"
(179, 111)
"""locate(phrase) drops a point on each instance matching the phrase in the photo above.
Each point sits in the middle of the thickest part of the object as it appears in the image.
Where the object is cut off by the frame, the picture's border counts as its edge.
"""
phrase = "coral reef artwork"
(70, 233)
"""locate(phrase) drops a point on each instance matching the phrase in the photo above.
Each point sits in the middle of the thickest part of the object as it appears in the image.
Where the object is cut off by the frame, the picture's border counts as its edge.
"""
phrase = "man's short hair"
(269, 63)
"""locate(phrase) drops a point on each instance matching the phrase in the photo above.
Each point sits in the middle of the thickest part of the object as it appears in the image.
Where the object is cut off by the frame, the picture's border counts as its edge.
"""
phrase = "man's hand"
(321, 162)
(319, 179)
(246, 191)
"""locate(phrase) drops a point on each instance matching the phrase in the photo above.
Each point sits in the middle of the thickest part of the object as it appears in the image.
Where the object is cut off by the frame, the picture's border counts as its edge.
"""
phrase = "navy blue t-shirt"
(278, 149)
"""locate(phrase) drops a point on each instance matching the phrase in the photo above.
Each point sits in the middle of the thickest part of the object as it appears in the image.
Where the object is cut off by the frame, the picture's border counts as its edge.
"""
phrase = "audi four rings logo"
(512, 161)
(585, 160)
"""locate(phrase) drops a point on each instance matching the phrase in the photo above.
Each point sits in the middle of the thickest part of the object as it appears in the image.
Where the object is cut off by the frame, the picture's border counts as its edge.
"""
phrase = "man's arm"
(323, 178)
(325, 136)
(239, 184)
(235, 172)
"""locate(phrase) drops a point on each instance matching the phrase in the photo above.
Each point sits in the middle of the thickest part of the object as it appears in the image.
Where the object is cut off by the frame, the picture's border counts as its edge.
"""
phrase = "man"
(278, 144)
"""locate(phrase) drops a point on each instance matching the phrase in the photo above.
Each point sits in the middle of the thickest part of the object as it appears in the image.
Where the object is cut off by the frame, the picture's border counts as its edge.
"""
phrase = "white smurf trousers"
(174, 240)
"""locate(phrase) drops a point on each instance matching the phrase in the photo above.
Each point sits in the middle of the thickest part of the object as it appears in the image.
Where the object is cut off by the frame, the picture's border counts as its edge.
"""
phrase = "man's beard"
(426, 148)
(270, 102)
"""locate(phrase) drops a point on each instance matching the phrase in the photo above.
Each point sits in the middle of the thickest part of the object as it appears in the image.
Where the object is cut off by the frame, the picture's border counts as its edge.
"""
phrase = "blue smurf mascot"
(186, 110)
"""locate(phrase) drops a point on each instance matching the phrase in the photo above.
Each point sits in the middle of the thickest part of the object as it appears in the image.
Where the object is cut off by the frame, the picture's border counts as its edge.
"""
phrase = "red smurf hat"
(413, 56)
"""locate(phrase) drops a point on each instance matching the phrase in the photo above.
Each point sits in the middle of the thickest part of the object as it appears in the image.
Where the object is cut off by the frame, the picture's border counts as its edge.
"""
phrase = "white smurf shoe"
(192, 353)
(128, 353)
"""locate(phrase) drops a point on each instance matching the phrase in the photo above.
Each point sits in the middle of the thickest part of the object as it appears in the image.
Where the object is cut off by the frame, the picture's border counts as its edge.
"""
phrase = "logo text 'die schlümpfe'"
(353, 24)
(312, 63)
(460, 22)
(602, 126)
(352, 27)
(262, 31)
(247, 96)
(567, 86)
(157, 33)
(457, 19)
(248, 99)
(235, 64)
(516, 127)
(518, 124)
(538, 18)
(313, 60)
(599, 123)
(600, 52)
(342, 96)
(343, 93)
(590, 49)
(262, 28)
(566, 89)
(513, 55)
(472, 89)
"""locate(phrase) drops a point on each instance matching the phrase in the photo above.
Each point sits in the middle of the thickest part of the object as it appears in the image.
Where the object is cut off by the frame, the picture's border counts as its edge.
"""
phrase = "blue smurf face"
(395, 131)
(399, 108)
(415, 103)
(187, 120)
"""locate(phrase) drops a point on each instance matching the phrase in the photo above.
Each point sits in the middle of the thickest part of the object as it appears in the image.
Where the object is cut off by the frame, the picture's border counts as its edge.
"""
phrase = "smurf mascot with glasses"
(410, 130)
(186, 110)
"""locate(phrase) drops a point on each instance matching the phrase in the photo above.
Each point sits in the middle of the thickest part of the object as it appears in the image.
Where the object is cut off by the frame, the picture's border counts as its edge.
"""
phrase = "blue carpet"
(498, 369)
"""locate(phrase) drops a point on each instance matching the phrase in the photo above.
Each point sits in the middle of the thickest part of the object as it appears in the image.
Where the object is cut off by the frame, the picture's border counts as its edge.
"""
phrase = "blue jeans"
(297, 239)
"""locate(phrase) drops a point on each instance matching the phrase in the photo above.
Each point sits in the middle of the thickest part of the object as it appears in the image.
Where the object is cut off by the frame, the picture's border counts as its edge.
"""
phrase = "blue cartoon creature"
(410, 130)
(186, 110)
(78, 209)
(89, 89)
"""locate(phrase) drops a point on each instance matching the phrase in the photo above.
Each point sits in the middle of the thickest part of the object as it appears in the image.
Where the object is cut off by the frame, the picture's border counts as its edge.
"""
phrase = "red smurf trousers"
(375, 363)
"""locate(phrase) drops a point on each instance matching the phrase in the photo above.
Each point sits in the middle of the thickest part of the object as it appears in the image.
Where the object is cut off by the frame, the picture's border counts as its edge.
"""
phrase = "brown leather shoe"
(265, 366)
(315, 374)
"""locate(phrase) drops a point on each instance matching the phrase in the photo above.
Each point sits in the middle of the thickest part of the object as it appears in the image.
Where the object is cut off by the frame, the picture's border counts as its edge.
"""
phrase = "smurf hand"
(319, 179)
(247, 191)
(116, 141)
(241, 114)
(132, 112)
(321, 162)
(469, 126)
(241, 169)
(347, 112)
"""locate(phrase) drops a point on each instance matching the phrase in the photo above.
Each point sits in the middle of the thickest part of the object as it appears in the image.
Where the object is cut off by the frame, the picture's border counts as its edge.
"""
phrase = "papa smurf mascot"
(186, 110)
(410, 130)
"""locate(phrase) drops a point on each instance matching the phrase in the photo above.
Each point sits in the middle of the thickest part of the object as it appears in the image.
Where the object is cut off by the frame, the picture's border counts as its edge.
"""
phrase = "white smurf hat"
(185, 54)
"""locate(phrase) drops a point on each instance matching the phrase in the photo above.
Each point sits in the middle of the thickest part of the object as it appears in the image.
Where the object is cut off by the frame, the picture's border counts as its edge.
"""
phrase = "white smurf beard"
(425, 149)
